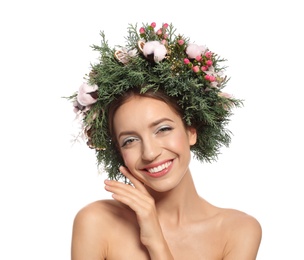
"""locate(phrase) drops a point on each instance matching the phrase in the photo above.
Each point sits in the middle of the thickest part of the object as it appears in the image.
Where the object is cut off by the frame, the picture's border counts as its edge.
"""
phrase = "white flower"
(85, 96)
(156, 48)
(193, 50)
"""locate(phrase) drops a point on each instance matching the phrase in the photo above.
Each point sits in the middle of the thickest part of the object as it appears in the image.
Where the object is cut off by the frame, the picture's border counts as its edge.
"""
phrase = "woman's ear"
(192, 135)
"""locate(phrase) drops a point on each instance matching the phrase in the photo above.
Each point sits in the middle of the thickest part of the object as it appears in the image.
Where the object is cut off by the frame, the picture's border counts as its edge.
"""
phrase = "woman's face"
(153, 141)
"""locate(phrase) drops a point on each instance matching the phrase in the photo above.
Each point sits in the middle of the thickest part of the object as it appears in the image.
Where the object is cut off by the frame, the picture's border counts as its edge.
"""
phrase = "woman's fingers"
(130, 196)
(135, 196)
(137, 184)
(126, 190)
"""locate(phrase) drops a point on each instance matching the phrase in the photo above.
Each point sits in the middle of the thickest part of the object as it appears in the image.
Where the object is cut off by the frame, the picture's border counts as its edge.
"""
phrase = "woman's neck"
(180, 204)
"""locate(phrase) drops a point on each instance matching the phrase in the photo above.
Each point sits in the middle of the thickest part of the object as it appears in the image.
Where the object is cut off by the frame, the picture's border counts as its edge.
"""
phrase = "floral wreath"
(156, 59)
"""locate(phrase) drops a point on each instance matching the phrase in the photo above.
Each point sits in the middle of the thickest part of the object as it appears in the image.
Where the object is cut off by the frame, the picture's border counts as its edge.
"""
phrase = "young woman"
(145, 110)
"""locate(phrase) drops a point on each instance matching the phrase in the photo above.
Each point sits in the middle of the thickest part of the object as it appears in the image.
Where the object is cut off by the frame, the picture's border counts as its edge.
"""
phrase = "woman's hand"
(140, 201)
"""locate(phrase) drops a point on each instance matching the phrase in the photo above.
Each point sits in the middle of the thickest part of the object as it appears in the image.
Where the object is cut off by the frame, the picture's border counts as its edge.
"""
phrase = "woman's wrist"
(160, 250)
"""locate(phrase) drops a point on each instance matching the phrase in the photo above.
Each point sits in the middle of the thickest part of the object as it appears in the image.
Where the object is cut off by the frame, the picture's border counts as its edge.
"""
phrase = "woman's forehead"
(143, 109)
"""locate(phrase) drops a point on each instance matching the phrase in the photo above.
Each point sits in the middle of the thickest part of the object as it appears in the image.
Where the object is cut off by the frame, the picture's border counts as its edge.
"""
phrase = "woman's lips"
(159, 170)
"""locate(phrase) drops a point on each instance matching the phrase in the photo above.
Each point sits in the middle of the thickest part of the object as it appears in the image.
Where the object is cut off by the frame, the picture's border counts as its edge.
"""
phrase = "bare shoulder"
(102, 214)
(240, 220)
(101, 209)
(93, 226)
(243, 232)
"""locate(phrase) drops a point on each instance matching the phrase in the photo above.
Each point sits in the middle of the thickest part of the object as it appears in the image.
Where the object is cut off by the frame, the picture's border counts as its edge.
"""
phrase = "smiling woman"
(144, 109)
(147, 130)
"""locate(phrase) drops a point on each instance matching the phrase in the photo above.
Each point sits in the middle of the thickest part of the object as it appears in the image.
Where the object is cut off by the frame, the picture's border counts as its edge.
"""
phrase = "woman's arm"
(244, 238)
(87, 240)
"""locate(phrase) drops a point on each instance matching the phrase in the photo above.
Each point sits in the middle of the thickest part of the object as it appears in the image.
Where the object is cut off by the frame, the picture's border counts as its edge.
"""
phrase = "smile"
(160, 167)
(160, 170)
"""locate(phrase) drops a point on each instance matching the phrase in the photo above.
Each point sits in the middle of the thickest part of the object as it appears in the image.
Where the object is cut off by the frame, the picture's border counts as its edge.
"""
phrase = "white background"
(44, 54)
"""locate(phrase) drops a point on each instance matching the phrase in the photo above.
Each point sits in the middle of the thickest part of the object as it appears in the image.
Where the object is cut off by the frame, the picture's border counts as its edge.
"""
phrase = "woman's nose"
(150, 149)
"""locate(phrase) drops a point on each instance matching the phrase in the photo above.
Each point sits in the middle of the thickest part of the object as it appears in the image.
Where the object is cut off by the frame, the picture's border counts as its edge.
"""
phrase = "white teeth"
(159, 168)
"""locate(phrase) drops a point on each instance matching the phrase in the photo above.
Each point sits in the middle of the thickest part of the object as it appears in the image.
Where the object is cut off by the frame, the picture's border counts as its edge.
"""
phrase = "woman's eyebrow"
(155, 123)
(125, 133)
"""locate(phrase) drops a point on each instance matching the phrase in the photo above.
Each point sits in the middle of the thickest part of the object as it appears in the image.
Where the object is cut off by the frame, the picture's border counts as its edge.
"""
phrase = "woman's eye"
(164, 129)
(128, 141)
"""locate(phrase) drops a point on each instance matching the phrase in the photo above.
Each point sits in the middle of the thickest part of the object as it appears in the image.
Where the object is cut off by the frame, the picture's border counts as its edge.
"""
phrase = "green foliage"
(205, 106)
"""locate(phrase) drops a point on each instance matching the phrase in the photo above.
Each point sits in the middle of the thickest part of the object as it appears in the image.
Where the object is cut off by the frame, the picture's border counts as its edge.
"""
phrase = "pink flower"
(195, 69)
(204, 68)
(87, 94)
(198, 58)
(153, 25)
(159, 32)
(209, 63)
(208, 54)
(181, 42)
(213, 77)
(210, 78)
(186, 61)
(142, 30)
(165, 25)
(156, 48)
(194, 50)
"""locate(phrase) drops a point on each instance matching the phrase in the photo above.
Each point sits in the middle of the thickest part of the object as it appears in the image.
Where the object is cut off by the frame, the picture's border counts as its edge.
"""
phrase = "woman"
(144, 109)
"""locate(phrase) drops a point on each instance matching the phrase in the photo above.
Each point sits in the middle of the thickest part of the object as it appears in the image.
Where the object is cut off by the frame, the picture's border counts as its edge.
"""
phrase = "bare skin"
(160, 216)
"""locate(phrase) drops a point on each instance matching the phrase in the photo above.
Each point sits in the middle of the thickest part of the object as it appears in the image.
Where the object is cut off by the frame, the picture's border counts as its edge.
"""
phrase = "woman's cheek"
(173, 144)
(124, 155)
(127, 157)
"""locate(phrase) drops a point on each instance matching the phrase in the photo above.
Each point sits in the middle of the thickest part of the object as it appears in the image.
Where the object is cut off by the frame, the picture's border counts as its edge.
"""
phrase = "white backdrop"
(44, 54)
